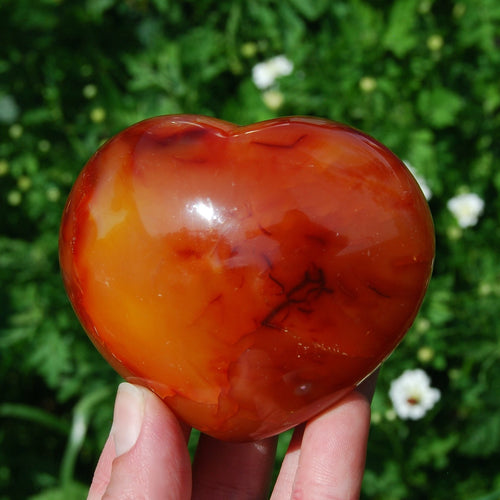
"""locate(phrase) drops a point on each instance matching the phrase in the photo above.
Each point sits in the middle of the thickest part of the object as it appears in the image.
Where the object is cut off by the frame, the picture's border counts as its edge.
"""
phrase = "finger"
(332, 454)
(146, 454)
(284, 483)
(223, 470)
(103, 471)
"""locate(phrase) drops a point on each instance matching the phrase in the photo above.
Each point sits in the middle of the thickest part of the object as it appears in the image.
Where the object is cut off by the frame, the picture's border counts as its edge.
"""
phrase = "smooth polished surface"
(250, 276)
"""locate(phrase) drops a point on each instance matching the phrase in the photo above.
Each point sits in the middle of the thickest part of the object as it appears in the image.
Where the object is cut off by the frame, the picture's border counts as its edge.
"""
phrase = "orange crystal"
(250, 276)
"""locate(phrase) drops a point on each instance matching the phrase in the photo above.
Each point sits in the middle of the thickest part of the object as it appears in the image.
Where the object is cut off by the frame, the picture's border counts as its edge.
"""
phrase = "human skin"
(146, 455)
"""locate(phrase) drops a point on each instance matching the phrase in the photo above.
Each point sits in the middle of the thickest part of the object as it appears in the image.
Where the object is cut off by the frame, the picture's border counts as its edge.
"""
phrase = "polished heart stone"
(250, 276)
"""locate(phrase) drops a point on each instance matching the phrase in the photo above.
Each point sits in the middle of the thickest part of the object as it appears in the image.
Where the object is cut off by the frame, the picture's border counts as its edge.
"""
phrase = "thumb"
(146, 454)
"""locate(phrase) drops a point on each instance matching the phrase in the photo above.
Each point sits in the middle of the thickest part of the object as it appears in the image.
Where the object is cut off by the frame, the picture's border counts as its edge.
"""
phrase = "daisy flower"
(466, 208)
(412, 395)
(265, 73)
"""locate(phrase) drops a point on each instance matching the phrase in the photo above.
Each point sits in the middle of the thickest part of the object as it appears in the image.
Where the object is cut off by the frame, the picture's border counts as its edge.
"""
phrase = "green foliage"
(419, 75)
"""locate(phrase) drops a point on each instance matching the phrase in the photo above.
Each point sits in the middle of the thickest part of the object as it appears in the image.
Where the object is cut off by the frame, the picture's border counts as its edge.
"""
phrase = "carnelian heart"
(250, 276)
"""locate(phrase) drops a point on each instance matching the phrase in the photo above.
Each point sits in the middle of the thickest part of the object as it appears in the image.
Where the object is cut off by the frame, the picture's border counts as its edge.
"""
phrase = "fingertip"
(128, 416)
(333, 451)
(151, 456)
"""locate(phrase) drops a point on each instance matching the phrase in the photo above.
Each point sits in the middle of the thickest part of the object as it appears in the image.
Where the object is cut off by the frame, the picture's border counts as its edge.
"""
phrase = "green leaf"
(81, 416)
(440, 106)
(482, 439)
(401, 36)
(97, 8)
(71, 491)
(34, 415)
(312, 10)
(163, 5)
(492, 496)
(295, 27)
(439, 306)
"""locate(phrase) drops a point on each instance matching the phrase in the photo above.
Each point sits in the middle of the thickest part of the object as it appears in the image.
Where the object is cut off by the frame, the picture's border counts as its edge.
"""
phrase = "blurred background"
(421, 76)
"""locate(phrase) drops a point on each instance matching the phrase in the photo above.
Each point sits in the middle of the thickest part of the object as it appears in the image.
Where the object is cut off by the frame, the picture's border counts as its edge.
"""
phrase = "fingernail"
(127, 418)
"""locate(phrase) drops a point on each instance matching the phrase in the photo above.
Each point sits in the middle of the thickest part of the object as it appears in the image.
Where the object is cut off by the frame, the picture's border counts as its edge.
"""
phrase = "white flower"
(411, 394)
(265, 73)
(426, 190)
(466, 208)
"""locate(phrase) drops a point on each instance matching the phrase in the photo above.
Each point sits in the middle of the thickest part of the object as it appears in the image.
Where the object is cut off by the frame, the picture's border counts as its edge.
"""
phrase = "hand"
(146, 455)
